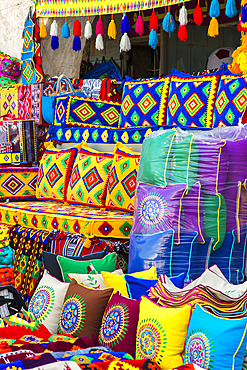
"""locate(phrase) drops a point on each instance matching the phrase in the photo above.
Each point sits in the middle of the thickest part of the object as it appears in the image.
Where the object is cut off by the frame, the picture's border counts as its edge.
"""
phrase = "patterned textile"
(88, 177)
(23, 318)
(231, 101)
(37, 53)
(109, 90)
(6, 147)
(91, 112)
(67, 244)
(28, 245)
(50, 215)
(124, 365)
(36, 91)
(9, 67)
(9, 158)
(24, 102)
(91, 88)
(9, 101)
(144, 103)
(191, 101)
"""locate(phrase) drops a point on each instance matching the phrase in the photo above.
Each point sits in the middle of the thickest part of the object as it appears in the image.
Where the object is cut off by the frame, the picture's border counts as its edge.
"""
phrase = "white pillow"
(94, 281)
(47, 301)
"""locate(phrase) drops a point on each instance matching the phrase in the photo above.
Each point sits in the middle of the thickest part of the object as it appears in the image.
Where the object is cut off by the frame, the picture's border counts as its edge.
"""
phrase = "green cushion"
(68, 266)
(155, 158)
(184, 162)
(214, 218)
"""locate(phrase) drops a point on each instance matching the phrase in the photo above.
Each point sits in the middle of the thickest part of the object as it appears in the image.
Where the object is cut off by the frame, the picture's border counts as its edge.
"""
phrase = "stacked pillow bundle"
(190, 203)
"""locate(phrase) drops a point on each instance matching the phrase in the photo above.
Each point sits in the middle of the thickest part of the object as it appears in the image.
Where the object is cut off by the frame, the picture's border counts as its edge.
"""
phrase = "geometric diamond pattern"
(84, 112)
(146, 103)
(240, 100)
(53, 175)
(127, 104)
(13, 185)
(129, 183)
(113, 180)
(111, 115)
(138, 91)
(221, 102)
(92, 179)
(174, 104)
(75, 176)
(193, 104)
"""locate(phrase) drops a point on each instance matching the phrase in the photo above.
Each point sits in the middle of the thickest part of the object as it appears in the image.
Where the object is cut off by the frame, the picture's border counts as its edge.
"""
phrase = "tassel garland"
(197, 16)
(168, 24)
(153, 25)
(214, 10)
(100, 28)
(213, 29)
(125, 25)
(88, 32)
(42, 31)
(65, 31)
(153, 39)
(99, 44)
(54, 35)
(231, 9)
(182, 33)
(125, 44)
(112, 31)
(139, 27)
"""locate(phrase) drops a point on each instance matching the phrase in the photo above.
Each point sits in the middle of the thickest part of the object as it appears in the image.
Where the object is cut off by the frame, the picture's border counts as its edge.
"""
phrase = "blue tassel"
(77, 43)
(65, 31)
(214, 10)
(244, 14)
(231, 9)
(168, 24)
(125, 25)
(54, 42)
(153, 39)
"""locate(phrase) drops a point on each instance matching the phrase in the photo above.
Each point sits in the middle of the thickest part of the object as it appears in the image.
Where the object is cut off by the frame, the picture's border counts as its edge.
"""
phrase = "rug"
(24, 102)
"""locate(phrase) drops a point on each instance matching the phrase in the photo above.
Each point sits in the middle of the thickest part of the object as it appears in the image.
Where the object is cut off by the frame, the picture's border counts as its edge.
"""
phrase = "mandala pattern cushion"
(119, 323)
(205, 346)
(161, 333)
(191, 101)
(94, 281)
(88, 177)
(144, 103)
(121, 183)
(47, 301)
(54, 173)
(230, 101)
(82, 310)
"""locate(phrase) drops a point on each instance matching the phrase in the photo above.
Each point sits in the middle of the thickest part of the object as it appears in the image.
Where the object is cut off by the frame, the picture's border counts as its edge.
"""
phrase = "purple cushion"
(212, 168)
(158, 209)
(237, 160)
(233, 199)
(192, 212)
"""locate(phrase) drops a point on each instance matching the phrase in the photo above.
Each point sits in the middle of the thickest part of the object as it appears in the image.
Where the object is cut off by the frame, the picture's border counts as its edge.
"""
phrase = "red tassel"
(153, 25)
(182, 33)
(197, 15)
(77, 28)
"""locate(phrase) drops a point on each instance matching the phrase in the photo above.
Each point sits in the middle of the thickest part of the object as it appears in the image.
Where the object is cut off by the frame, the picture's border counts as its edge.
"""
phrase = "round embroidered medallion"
(115, 324)
(41, 302)
(197, 350)
(152, 210)
(72, 316)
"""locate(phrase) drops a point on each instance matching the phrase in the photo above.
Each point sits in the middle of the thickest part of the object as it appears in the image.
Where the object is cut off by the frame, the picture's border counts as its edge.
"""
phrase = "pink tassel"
(100, 30)
(139, 28)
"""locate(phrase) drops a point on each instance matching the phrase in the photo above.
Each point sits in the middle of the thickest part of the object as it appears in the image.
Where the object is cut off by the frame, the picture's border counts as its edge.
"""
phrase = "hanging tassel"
(54, 35)
(153, 25)
(243, 2)
(213, 29)
(197, 15)
(88, 32)
(99, 44)
(182, 33)
(168, 24)
(244, 14)
(139, 27)
(65, 31)
(77, 28)
(125, 44)
(100, 28)
(214, 10)
(54, 42)
(153, 39)
(112, 31)
(125, 25)
(231, 9)
(76, 43)
(183, 16)
(42, 31)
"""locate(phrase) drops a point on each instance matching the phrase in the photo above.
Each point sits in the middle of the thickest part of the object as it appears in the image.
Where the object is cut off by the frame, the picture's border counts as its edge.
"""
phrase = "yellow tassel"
(242, 62)
(87, 243)
(42, 31)
(243, 2)
(213, 29)
(112, 31)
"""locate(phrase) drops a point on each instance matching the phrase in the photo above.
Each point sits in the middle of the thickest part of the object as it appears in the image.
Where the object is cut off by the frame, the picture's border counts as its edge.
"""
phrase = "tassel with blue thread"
(65, 30)
(153, 27)
(168, 23)
(125, 44)
(77, 36)
(214, 12)
(139, 27)
(54, 35)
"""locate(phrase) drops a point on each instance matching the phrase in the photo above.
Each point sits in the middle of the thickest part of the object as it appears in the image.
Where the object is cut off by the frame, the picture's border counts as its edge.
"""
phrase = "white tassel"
(125, 44)
(99, 44)
(54, 28)
(88, 30)
(183, 18)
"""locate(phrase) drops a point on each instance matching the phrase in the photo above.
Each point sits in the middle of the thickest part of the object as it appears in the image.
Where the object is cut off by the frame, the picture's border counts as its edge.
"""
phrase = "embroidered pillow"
(47, 301)
(82, 310)
(237, 159)
(121, 183)
(161, 333)
(119, 323)
(88, 177)
(158, 209)
(191, 101)
(54, 173)
(94, 281)
(205, 345)
(144, 103)
(230, 101)
(154, 162)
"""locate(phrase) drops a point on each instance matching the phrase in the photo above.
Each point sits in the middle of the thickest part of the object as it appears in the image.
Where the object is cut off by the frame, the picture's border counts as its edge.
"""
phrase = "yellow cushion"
(121, 182)
(118, 282)
(161, 333)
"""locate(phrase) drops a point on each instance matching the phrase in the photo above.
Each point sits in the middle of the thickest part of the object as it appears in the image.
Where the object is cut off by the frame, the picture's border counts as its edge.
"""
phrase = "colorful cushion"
(191, 101)
(161, 333)
(230, 101)
(121, 184)
(119, 284)
(108, 263)
(233, 199)
(154, 162)
(52, 266)
(92, 112)
(144, 103)
(199, 258)
(205, 345)
(88, 177)
(237, 159)
(54, 173)
(83, 309)
(94, 281)
(119, 323)
(214, 218)
(158, 209)
(47, 301)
